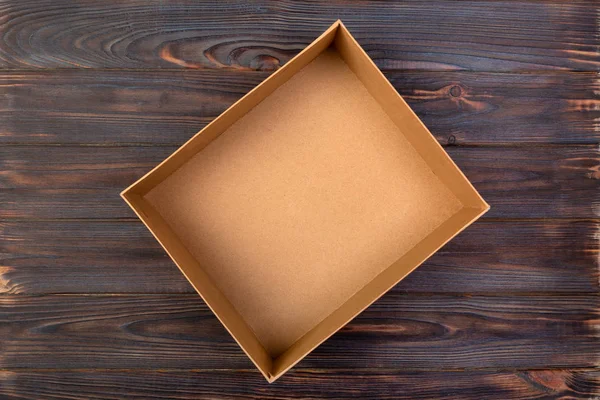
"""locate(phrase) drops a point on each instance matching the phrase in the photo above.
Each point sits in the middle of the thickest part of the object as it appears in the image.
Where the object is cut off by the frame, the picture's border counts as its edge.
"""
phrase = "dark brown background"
(96, 92)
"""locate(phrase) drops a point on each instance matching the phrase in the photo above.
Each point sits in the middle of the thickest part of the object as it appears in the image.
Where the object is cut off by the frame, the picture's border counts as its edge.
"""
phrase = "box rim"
(130, 194)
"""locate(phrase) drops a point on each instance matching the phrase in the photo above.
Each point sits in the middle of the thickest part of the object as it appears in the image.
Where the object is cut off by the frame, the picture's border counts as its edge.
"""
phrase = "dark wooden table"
(96, 92)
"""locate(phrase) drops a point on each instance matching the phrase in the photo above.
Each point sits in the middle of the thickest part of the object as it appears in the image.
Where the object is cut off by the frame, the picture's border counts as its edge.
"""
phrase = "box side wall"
(406, 120)
(203, 284)
(376, 288)
(233, 113)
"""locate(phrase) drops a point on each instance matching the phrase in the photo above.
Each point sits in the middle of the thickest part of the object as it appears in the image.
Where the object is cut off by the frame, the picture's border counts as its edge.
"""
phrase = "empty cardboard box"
(305, 201)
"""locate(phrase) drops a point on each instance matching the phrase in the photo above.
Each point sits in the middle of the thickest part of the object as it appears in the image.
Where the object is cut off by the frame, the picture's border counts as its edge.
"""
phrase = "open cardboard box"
(305, 202)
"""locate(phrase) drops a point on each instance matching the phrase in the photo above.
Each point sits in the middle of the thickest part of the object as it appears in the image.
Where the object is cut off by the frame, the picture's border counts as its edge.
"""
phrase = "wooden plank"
(84, 182)
(264, 34)
(56, 167)
(168, 107)
(112, 257)
(485, 108)
(399, 331)
(108, 107)
(301, 384)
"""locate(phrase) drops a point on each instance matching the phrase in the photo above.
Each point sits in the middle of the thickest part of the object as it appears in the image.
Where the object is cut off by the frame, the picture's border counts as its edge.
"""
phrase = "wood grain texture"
(398, 331)
(168, 107)
(84, 182)
(112, 257)
(264, 34)
(302, 384)
(94, 93)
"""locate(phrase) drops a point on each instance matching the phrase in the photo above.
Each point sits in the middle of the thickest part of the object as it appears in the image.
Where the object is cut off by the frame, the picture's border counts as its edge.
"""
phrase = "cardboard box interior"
(305, 202)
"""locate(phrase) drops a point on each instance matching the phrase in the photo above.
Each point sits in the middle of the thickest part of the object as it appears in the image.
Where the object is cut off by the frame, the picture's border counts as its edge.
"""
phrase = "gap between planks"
(525, 71)
(300, 369)
(135, 219)
(498, 145)
(578, 294)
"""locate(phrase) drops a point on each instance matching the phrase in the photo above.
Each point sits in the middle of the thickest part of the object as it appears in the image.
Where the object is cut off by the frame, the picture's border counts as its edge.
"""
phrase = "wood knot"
(264, 62)
(548, 381)
(455, 91)
(451, 140)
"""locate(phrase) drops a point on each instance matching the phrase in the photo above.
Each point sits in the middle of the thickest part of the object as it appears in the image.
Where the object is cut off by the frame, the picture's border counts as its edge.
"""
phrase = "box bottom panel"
(303, 201)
